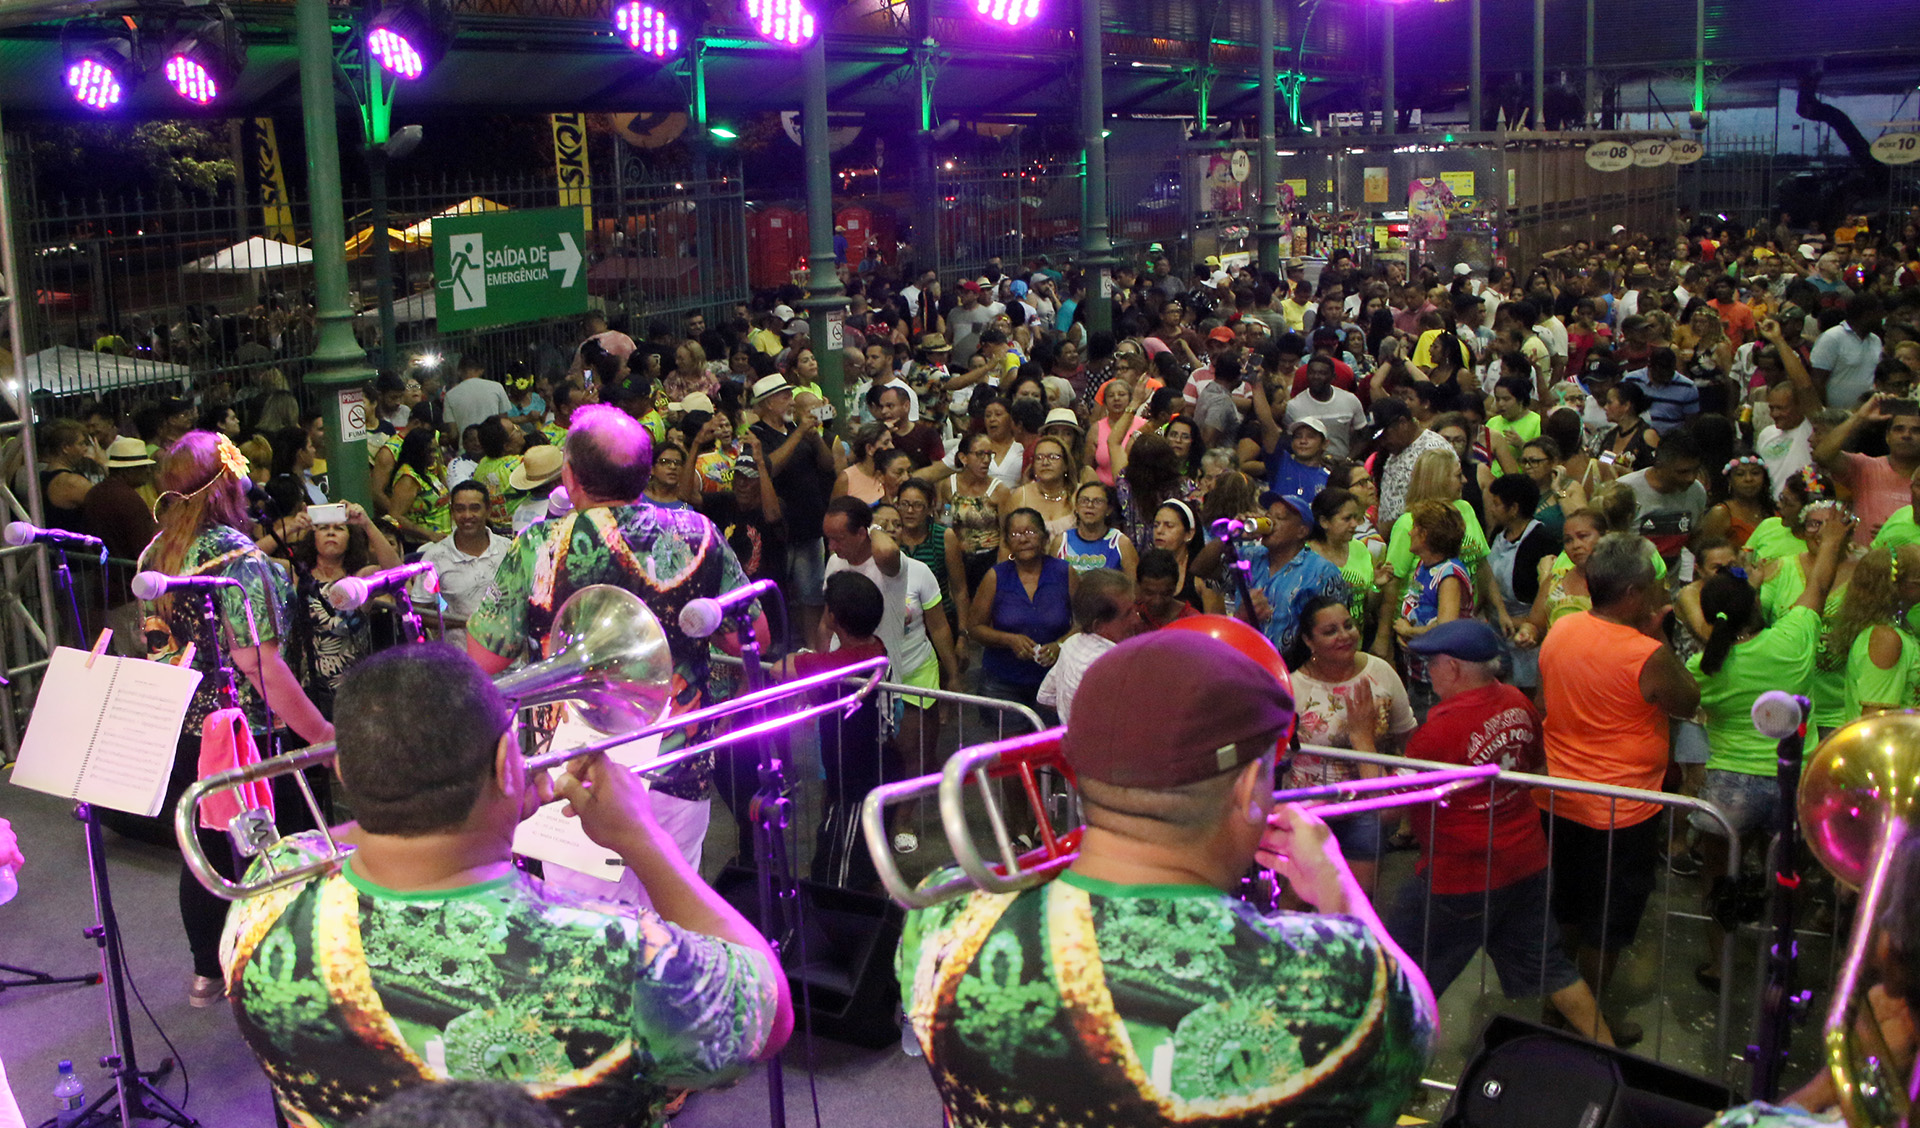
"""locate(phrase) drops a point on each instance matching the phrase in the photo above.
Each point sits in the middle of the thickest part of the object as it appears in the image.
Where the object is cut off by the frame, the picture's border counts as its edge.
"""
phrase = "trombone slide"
(1346, 798)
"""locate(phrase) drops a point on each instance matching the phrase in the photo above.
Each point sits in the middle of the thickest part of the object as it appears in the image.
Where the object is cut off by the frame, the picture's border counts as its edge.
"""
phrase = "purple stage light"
(395, 52)
(93, 85)
(1012, 13)
(191, 81)
(646, 29)
(783, 21)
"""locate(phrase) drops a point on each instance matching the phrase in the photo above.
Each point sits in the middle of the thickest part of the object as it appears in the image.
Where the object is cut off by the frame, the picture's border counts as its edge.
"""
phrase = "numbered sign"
(1897, 148)
(1609, 156)
(1652, 152)
(1682, 151)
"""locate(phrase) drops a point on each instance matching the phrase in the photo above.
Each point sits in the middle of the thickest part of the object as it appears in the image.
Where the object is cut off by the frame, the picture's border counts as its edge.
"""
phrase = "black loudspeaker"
(846, 987)
(1529, 1076)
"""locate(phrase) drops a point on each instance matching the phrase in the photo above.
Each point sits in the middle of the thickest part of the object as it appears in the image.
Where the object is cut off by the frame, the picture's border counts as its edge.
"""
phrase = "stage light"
(789, 22)
(204, 61)
(102, 62)
(1011, 13)
(411, 36)
(723, 133)
(652, 31)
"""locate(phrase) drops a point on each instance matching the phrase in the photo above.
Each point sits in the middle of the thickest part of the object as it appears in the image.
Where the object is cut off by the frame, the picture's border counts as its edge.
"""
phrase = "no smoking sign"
(353, 416)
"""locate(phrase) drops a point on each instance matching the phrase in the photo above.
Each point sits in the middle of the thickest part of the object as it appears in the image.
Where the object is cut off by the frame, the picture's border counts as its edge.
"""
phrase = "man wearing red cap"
(1135, 989)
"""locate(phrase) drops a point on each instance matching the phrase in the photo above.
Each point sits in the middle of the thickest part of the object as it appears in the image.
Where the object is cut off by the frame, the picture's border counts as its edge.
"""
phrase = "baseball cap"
(1219, 278)
(1220, 333)
(1017, 288)
(1470, 640)
(794, 330)
(1617, 229)
(1308, 421)
(783, 312)
(698, 401)
(1461, 269)
(1219, 710)
(1038, 277)
(769, 386)
(744, 466)
(1212, 260)
(1270, 498)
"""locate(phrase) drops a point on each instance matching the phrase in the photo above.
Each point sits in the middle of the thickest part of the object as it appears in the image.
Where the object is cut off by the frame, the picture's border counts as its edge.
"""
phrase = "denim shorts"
(1441, 932)
(1749, 801)
(1359, 836)
(807, 572)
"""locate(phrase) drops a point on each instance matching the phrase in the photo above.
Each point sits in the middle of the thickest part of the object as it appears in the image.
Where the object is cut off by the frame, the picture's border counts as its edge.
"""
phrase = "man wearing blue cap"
(1482, 874)
(1282, 574)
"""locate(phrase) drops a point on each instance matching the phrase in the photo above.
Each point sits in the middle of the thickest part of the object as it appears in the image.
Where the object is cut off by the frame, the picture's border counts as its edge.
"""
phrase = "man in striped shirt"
(1674, 400)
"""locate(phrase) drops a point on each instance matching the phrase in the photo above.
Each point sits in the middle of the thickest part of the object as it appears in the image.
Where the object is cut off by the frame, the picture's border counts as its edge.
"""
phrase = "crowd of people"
(1571, 522)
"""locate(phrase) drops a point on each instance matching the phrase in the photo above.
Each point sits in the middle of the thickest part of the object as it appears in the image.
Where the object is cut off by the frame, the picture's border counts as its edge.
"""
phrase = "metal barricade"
(819, 773)
(1614, 795)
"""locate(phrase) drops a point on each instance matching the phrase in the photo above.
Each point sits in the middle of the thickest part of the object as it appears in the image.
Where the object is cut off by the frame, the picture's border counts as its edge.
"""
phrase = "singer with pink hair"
(233, 627)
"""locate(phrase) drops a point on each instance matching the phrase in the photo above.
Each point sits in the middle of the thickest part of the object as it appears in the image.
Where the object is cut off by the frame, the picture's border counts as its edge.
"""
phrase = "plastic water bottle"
(9, 884)
(69, 1096)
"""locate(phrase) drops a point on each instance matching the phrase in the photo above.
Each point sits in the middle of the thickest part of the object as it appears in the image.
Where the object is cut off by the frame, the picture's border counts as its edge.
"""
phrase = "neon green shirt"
(1899, 529)
(1780, 657)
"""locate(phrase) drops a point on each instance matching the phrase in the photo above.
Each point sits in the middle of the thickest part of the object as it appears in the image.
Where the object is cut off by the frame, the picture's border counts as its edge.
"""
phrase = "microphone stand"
(134, 1090)
(1781, 1007)
(1236, 565)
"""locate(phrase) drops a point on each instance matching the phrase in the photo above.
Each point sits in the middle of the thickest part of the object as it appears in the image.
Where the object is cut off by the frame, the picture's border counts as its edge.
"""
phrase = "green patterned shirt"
(1083, 1002)
(348, 993)
(216, 623)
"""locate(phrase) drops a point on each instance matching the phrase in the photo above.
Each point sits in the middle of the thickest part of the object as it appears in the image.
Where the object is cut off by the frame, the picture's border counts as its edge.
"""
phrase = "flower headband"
(1742, 460)
(233, 464)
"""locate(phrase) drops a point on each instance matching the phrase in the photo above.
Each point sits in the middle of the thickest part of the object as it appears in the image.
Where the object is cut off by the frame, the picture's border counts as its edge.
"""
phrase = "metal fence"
(1735, 179)
(1009, 213)
(136, 297)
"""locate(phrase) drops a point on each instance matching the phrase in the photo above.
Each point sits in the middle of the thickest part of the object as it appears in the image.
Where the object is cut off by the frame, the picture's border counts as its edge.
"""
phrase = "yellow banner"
(276, 212)
(1460, 182)
(570, 163)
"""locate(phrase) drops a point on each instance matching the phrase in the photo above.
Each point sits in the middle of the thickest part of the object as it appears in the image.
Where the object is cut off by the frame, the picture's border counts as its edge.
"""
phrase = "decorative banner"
(1683, 151)
(1460, 182)
(570, 164)
(1297, 186)
(1651, 152)
(1609, 156)
(1429, 200)
(276, 216)
(1897, 148)
(1220, 192)
(1289, 197)
(1373, 185)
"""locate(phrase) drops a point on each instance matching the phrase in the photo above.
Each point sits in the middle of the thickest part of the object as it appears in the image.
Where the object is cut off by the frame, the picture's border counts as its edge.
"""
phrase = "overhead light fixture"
(648, 29)
(787, 22)
(722, 132)
(1008, 13)
(409, 37)
(205, 60)
(102, 61)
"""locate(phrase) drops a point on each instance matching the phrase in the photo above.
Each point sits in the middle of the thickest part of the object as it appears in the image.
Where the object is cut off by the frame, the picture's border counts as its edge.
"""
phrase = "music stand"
(134, 1090)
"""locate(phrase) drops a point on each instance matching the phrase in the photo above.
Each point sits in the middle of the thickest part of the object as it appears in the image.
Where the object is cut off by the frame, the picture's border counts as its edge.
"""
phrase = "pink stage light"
(94, 86)
(191, 81)
(783, 21)
(646, 29)
(1011, 13)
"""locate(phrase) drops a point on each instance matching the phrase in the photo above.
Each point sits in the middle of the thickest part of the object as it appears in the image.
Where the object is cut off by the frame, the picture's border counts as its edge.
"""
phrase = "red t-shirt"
(1342, 376)
(811, 663)
(1494, 724)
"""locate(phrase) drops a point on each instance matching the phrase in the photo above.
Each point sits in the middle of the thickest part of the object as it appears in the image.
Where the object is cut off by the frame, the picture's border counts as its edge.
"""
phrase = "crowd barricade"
(1661, 908)
(909, 742)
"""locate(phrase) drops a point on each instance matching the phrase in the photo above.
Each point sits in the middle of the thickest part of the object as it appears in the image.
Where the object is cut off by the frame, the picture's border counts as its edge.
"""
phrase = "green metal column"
(1699, 117)
(340, 366)
(1473, 67)
(1389, 83)
(1096, 249)
(826, 301)
(1267, 232)
(1539, 64)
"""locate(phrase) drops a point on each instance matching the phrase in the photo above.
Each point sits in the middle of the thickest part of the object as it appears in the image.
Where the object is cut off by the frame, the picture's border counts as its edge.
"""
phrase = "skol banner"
(570, 163)
(276, 212)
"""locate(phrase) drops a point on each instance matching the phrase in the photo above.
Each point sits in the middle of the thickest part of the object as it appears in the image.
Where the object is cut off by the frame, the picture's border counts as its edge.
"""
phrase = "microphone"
(351, 593)
(701, 617)
(1778, 714)
(1235, 528)
(153, 585)
(19, 533)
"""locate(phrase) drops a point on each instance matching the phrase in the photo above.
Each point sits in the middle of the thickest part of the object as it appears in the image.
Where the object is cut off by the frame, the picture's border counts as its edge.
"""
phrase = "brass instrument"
(1021, 758)
(610, 662)
(1856, 801)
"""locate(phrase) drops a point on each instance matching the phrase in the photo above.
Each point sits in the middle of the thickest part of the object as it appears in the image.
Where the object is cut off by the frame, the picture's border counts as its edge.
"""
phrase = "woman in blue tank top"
(1093, 542)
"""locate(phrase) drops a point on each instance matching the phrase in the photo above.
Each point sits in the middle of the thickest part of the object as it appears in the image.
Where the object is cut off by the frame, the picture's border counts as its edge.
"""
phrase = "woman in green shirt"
(1882, 655)
(1512, 425)
(1783, 579)
(1742, 659)
(1336, 514)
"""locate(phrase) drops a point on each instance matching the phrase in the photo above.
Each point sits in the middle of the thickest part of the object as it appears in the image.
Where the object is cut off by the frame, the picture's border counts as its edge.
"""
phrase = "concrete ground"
(855, 1087)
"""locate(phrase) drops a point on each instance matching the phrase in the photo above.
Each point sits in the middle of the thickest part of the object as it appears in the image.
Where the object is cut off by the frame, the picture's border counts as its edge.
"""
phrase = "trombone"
(610, 663)
(1021, 759)
(1856, 805)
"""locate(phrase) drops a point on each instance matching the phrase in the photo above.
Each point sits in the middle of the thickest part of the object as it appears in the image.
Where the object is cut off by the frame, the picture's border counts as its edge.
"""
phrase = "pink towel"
(226, 742)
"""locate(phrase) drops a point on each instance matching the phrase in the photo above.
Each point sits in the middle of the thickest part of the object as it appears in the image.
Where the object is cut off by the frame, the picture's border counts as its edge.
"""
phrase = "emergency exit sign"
(506, 267)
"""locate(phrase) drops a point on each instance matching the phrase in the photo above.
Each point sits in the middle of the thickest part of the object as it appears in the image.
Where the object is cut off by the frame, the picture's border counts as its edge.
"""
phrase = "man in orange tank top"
(1609, 684)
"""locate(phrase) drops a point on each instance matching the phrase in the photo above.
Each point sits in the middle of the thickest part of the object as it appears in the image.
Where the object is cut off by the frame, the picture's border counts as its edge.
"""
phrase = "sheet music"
(106, 735)
(554, 838)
